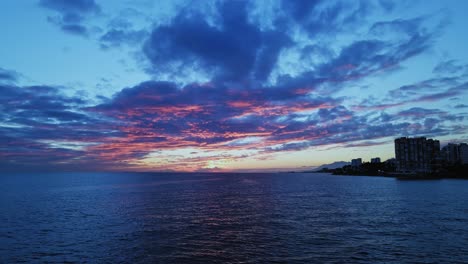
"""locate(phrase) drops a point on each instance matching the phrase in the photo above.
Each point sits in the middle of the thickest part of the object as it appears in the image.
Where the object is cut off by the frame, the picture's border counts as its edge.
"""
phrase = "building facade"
(375, 160)
(356, 162)
(455, 153)
(463, 150)
(416, 154)
(450, 153)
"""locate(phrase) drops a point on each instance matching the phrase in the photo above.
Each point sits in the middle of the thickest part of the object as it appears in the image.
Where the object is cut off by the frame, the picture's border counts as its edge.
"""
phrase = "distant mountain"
(334, 165)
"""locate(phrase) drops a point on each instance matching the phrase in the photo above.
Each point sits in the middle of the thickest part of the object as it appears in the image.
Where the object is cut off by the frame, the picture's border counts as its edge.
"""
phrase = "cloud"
(367, 143)
(326, 17)
(116, 37)
(43, 126)
(404, 26)
(71, 8)
(37, 125)
(431, 90)
(418, 112)
(459, 106)
(210, 113)
(357, 61)
(235, 50)
(75, 29)
(449, 67)
(214, 116)
(121, 30)
(370, 56)
(8, 76)
(39, 121)
(71, 14)
(430, 116)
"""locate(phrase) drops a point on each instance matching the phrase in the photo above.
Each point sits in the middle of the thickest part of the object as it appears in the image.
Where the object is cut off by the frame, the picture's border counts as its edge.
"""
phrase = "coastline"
(406, 176)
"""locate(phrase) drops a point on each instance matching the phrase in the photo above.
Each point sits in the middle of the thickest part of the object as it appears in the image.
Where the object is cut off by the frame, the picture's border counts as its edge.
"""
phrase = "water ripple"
(231, 218)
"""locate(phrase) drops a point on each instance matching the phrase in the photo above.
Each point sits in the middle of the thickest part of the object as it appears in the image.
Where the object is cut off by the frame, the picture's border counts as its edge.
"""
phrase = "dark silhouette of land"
(385, 169)
(415, 158)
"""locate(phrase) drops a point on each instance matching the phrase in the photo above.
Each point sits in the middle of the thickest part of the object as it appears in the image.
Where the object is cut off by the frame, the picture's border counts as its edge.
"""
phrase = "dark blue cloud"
(317, 17)
(362, 58)
(116, 37)
(75, 29)
(367, 143)
(42, 112)
(8, 76)
(434, 89)
(122, 31)
(449, 67)
(359, 129)
(229, 46)
(431, 90)
(22, 154)
(406, 26)
(459, 106)
(300, 10)
(357, 61)
(234, 50)
(429, 115)
(237, 49)
(72, 7)
(71, 14)
(334, 113)
(43, 129)
(418, 112)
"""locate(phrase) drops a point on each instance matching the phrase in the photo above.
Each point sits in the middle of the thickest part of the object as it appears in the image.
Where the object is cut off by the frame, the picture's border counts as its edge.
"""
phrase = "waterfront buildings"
(416, 154)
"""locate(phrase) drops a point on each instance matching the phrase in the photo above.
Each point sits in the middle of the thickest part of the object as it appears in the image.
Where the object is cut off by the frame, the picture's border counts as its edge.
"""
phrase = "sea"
(231, 218)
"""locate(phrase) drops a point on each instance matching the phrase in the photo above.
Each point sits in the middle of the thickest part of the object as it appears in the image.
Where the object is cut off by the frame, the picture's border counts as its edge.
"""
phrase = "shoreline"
(406, 176)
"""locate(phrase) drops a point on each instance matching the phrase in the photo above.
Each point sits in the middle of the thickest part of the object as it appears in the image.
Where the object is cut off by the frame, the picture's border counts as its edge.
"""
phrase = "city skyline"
(226, 85)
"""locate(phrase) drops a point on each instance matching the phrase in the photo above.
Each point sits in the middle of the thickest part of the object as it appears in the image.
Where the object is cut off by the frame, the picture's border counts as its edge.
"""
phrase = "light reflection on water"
(177, 218)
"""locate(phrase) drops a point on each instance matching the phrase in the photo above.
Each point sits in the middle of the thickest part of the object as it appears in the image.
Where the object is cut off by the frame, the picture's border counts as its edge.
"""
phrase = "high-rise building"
(416, 154)
(356, 162)
(375, 160)
(463, 151)
(451, 153)
(455, 153)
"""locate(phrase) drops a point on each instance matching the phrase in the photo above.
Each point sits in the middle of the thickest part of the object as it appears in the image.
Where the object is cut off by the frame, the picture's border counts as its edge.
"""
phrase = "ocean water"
(231, 218)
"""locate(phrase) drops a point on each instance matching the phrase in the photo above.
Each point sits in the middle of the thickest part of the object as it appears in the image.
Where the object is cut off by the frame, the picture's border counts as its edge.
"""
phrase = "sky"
(226, 85)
